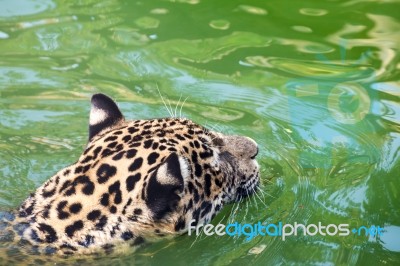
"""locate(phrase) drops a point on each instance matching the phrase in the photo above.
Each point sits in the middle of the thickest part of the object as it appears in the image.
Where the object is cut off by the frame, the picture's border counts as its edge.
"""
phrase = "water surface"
(315, 83)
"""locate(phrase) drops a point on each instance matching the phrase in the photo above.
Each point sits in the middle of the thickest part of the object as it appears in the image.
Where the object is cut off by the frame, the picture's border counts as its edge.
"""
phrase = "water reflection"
(390, 239)
(252, 10)
(3, 35)
(313, 12)
(12, 8)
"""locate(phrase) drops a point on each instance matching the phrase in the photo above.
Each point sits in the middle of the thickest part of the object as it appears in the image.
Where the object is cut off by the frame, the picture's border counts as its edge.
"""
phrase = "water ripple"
(13, 8)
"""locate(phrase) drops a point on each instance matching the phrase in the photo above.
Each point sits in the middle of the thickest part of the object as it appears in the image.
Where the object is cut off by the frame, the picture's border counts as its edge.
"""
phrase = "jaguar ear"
(104, 113)
(165, 185)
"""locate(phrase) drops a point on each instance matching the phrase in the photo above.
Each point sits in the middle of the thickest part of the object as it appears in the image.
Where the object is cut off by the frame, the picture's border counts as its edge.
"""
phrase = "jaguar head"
(138, 179)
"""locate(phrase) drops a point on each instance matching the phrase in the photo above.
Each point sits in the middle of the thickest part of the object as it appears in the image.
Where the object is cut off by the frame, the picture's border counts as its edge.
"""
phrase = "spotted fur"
(135, 182)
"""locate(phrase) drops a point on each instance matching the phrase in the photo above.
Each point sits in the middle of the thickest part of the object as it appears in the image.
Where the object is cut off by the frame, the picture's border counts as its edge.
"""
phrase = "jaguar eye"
(218, 142)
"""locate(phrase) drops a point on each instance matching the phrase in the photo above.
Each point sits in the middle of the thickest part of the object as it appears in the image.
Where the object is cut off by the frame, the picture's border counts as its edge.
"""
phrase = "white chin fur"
(97, 116)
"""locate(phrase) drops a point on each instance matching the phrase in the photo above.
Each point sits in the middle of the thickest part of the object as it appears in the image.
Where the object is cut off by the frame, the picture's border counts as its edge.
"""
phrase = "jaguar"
(135, 182)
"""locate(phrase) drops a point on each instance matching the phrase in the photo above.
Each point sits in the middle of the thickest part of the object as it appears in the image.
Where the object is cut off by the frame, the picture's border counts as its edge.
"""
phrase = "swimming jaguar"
(136, 181)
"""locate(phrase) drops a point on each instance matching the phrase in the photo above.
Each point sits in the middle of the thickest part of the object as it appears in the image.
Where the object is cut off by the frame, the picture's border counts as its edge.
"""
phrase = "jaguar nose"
(241, 147)
(252, 148)
(254, 156)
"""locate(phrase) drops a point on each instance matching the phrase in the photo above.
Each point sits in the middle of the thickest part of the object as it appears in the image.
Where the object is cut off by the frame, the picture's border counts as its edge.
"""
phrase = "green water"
(315, 83)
